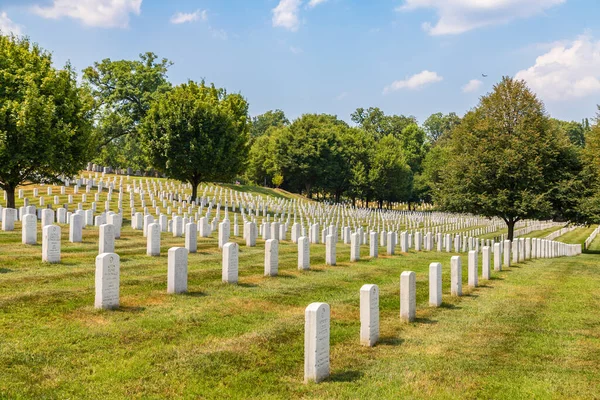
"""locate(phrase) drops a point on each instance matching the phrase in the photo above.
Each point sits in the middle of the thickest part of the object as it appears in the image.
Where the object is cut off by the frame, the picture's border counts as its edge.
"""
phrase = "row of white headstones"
(317, 314)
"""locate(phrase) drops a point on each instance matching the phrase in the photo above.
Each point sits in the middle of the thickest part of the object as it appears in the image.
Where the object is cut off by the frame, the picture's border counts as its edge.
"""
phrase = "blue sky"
(412, 57)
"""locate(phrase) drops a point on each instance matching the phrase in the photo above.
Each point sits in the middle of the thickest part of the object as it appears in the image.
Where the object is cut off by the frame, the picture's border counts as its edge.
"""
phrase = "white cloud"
(218, 33)
(8, 26)
(180, 18)
(568, 70)
(342, 96)
(314, 3)
(416, 81)
(285, 15)
(296, 50)
(472, 86)
(100, 13)
(458, 16)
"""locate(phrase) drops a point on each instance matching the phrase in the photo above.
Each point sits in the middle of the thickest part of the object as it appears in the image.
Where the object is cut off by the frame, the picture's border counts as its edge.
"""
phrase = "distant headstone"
(51, 244)
(435, 284)
(203, 227)
(354, 247)
(369, 314)
(250, 229)
(330, 256)
(224, 231)
(107, 239)
(191, 237)
(230, 263)
(316, 342)
(177, 273)
(8, 219)
(373, 245)
(303, 253)
(497, 257)
(107, 281)
(408, 296)
(76, 228)
(486, 269)
(153, 240)
(29, 229)
(47, 217)
(473, 268)
(455, 276)
(271, 257)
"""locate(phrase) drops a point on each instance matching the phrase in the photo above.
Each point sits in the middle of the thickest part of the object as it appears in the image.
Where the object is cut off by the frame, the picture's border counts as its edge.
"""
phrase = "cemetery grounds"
(531, 331)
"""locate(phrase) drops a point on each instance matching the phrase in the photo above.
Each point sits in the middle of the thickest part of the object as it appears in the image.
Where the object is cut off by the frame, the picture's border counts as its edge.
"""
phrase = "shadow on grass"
(130, 309)
(345, 376)
(390, 341)
(247, 285)
(5, 270)
(591, 252)
(286, 276)
(426, 321)
(194, 294)
(450, 306)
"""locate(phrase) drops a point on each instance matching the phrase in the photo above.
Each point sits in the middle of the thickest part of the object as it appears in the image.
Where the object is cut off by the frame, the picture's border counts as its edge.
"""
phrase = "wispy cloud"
(568, 70)
(296, 50)
(458, 16)
(285, 15)
(472, 86)
(414, 82)
(8, 26)
(314, 3)
(98, 13)
(181, 18)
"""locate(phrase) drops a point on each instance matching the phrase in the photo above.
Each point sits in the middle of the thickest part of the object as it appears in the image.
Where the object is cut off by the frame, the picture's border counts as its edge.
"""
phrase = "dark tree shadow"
(5, 270)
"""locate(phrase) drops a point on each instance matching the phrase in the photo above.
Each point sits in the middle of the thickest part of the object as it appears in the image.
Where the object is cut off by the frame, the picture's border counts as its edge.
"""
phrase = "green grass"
(533, 331)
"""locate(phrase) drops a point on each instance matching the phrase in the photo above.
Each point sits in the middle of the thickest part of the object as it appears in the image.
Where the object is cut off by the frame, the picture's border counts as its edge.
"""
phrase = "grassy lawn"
(533, 331)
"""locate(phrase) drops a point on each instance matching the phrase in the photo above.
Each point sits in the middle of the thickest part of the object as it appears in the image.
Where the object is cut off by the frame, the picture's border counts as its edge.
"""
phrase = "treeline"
(505, 158)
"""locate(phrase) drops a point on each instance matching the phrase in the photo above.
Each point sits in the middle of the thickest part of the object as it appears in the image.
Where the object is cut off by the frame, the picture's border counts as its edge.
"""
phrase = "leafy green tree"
(45, 118)
(505, 159)
(306, 152)
(433, 168)
(439, 125)
(374, 120)
(278, 180)
(261, 159)
(197, 133)
(589, 205)
(576, 131)
(361, 146)
(124, 91)
(270, 119)
(390, 176)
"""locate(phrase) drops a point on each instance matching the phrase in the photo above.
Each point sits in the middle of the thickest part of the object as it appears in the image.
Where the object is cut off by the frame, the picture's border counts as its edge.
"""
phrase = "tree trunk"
(511, 229)
(354, 202)
(10, 197)
(337, 196)
(194, 182)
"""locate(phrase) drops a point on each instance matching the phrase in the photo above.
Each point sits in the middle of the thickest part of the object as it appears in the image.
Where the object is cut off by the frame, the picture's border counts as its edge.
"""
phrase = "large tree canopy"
(197, 133)
(45, 118)
(124, 91)
(505, 159)
(271, 119)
